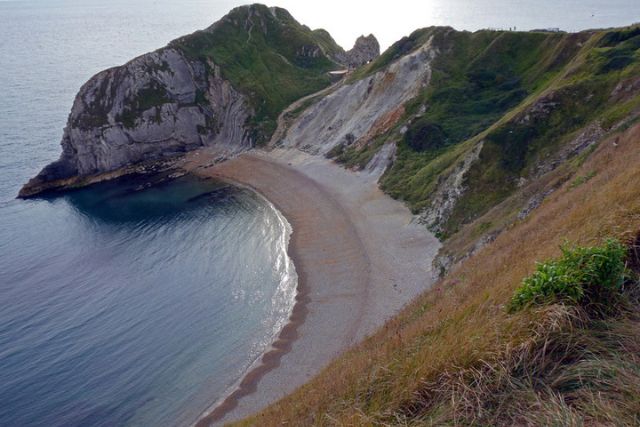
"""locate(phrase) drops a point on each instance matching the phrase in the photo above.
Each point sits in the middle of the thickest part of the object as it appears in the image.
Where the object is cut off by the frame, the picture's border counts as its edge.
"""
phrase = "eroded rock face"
(158, 105)
(365, 50)
(348, 115)
(450, 188)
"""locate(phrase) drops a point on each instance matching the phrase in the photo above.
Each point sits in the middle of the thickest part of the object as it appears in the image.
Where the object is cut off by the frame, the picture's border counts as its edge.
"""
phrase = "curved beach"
(358, 256)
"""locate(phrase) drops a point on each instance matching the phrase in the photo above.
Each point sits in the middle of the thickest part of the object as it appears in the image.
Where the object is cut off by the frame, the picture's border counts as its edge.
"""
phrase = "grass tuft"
(585, 276)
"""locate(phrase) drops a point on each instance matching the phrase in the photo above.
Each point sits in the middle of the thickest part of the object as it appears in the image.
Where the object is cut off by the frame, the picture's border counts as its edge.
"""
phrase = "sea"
(122, 305)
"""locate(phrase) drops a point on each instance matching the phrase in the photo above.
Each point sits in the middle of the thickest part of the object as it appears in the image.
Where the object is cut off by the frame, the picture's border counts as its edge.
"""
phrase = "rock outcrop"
(201, 90)
(449, 190)
(158, 105)
(350, 113)
(365, 50)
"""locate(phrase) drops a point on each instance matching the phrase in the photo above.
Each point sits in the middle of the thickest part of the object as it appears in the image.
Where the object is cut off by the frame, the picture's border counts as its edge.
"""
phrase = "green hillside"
(540, 326)
(266, 54)
(525, 95)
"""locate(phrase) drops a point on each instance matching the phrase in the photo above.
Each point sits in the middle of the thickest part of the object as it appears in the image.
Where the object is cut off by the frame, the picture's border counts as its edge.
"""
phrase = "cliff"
(223, 86)
(358, 111)
(157, 105)
(474, 130)
(365, 50)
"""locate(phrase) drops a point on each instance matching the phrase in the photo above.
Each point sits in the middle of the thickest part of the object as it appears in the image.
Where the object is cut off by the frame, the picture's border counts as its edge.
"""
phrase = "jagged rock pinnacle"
(366, 49)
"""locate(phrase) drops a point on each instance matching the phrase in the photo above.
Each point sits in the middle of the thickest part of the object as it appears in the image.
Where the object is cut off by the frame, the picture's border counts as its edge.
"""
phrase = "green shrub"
(583, 276)
(424, 135)
(612, 38)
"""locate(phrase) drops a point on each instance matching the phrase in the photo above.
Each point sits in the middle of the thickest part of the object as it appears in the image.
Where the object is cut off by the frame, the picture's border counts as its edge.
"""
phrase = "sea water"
(120, 306)
(130, 307)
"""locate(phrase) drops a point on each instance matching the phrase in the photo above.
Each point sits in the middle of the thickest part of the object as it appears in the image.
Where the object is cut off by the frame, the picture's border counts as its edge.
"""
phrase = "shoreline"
(270, 358)
(348, 281)
(358, 254)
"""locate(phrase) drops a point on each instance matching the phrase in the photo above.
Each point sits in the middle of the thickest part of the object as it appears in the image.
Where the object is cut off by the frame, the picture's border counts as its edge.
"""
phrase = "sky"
(391, 20)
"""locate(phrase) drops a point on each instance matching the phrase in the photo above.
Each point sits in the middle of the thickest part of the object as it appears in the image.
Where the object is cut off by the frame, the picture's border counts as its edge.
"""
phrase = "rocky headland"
(192, 94)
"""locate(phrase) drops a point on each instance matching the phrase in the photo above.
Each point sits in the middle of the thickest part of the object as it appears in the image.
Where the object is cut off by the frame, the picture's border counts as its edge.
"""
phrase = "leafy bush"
(612, 38)
(425, 135)
(582, 275)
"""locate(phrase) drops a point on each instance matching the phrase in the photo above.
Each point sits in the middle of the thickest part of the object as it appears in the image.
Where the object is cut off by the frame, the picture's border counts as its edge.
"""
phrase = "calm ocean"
(122, 307)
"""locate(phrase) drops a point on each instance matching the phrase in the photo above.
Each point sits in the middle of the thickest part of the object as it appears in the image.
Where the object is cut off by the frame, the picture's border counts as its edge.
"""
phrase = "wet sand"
(358, 256)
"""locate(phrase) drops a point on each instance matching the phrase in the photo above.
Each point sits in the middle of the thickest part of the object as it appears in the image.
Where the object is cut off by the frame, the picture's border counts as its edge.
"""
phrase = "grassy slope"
(579, 96)
(266, 57)
(477, 79)
(456, 356)
(483, 86)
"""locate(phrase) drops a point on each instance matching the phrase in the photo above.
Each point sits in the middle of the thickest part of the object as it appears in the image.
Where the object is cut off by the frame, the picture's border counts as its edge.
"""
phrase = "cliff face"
(357, 112)
(157, 105)
(475, 130)
(365, 50)
(223, 87)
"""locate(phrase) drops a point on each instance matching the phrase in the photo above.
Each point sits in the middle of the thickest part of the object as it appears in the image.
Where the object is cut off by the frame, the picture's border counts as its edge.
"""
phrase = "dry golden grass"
(430, 364)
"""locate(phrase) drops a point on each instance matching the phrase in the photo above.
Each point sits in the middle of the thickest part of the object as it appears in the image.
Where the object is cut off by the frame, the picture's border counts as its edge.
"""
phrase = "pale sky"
(391, 20)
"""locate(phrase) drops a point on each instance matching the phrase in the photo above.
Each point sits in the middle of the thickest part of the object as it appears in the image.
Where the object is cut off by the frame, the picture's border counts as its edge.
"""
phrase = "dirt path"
(284, 119)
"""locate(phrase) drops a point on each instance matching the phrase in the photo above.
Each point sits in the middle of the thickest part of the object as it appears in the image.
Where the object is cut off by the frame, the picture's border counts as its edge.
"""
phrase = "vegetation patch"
(527, 95)
(414, 176)
(153, 96)
(585, 276)
(476, 79)
(582, 179)
(425, 135)
(538, 129)
(352, 156)
(273, 60)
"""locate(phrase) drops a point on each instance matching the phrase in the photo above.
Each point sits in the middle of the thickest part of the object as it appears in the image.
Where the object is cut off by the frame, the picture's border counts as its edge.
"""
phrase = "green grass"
(582, 179)
(273, 61)
(144, 99)
(585, 276)
(326, 41)
(476, 79)
(481, 76)
(525, 94)
(353, 157)
(513, 149)
(413, 177)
